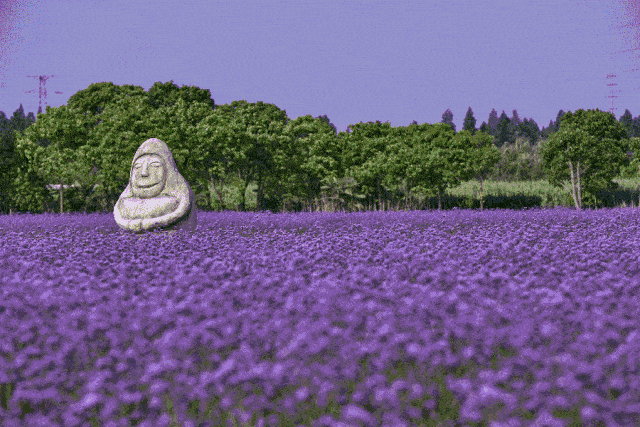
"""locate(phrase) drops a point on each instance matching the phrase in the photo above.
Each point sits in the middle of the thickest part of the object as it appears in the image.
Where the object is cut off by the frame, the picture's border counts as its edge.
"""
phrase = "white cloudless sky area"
(354, 61)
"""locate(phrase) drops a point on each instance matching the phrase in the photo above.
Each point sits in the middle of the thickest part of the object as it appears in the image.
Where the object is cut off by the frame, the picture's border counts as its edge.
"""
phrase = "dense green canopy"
(85, 148)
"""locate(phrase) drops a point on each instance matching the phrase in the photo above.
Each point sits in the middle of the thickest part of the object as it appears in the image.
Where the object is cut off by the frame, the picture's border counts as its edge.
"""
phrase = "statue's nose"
(145, 170)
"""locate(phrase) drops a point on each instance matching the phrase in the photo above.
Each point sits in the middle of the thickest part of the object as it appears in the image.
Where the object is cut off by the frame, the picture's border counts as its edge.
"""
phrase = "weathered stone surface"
(157, 196)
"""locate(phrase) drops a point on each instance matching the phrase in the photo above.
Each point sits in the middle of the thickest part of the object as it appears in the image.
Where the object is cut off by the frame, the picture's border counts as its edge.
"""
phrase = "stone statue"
(157, 196)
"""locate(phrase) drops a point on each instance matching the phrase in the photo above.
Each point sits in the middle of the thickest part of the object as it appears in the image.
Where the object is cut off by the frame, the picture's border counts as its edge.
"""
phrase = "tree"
(634, 147)
(482, 156)
(258, 134)
(7, 159)
(556, 124)
(6, 143)
(469, 122)
(515, 119)
(515, 126)
(94, 99)
(176, 124)
(493, 122)
(589, 149)
(447, 119)
(19, 120)
(124, 123)
(504, 134)
(9, 132)
(91, 141)
(56, 145)
(547, 131)
(413, 123)
(636, 127)
(325, 119)
(484, 128)
(430, 160)
(167, 94)
(365, 150)
(212, 160)
(358, 147)
(310, 158)
(529, 129)
(626, 120)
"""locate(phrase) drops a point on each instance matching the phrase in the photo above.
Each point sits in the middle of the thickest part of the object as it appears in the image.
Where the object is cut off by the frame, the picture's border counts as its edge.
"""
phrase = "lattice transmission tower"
(42, 91)
(611, 76)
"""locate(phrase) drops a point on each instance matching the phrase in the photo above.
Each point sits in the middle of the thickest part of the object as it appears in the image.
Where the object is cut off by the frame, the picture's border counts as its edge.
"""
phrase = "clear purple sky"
(395, 61)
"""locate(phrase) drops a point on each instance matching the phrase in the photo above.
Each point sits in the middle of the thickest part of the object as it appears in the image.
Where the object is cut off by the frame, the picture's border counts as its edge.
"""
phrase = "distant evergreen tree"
(493, 122)
(515, 125)
(556, 125)
(504, 134)
(523, 129)
(413, 123)
(6, 143)
(19, 120)
(447, 118)
(515, 119)
(484, 127)
(545, 132)
(529, 128)
(626, 120)
(31, 119)
(636, 127)
(469, 122)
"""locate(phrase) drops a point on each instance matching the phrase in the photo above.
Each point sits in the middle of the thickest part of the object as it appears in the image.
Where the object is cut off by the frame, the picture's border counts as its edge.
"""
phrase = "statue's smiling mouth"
(140, 185)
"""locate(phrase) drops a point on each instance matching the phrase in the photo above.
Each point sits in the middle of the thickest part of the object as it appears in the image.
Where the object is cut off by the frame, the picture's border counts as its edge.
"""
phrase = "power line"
(42, 90)
(625, 25)
(627, 50)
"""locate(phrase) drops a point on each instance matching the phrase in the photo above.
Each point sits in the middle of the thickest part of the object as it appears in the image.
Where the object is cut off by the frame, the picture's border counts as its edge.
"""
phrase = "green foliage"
(366, 152)
(447, 119)
(125, 124)
(631, 170)
(504, 132)
(93, 100)
(482, 154)
(428, 157)
(626, 120)
(530, 130)
(588, 150)
(519, 161)
(341, 191)
(492, 123)
(294, 164)
(310, 158)
(167, 94)
(258, 135)
(469, 122)
(363, 142)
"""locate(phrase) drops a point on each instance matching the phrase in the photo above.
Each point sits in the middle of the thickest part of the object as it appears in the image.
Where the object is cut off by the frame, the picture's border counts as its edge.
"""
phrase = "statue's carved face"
(148, 176)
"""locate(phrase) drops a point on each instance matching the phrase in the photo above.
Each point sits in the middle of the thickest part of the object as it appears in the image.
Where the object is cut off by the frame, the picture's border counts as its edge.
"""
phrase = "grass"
(497, 194)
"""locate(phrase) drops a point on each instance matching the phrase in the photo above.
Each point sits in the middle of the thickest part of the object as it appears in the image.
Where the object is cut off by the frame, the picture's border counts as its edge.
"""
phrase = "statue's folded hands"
(134, 208)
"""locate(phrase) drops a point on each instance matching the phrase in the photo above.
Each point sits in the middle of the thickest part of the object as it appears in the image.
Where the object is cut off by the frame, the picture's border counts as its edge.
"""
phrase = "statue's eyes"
(139, 165)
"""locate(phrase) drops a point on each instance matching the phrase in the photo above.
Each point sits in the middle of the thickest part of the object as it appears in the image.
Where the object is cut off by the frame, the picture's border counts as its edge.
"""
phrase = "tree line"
(86, 148)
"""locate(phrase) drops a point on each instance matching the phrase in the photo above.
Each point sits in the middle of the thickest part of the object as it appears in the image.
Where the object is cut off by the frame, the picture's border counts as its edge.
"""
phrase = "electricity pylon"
(610, 76)
(42, 91)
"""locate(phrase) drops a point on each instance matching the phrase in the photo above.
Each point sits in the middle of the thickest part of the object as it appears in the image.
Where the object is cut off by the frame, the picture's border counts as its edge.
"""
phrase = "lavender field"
(492, 318)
